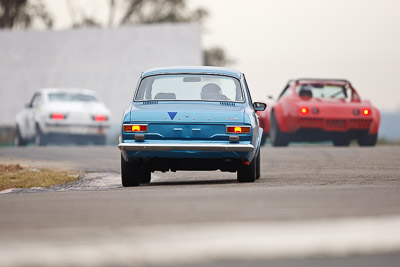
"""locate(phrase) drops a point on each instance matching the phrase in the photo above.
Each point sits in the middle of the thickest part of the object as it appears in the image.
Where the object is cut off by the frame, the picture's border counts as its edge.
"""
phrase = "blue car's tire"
(247, 173)
(145, 174)
(129, 173)
(258, 165)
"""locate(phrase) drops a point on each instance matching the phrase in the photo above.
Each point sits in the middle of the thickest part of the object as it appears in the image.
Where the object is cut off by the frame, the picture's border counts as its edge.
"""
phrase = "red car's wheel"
(263, 139)
(341, 140)
(367, 140)
(277, 137)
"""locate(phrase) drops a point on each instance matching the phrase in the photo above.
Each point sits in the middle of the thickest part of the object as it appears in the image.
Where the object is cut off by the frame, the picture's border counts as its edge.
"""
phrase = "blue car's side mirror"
(258, 106)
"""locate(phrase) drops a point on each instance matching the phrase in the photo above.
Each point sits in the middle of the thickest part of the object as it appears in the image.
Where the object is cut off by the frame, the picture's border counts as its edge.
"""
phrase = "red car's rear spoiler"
(320, 80)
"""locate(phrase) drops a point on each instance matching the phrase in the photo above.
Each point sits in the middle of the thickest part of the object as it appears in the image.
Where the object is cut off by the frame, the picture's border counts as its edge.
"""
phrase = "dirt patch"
(9, 168)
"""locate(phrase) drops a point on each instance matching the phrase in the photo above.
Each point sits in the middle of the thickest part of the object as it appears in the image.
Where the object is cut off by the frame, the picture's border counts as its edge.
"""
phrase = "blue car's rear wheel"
(258, 165)
(145, 173)
(129, 173)
(248, 173)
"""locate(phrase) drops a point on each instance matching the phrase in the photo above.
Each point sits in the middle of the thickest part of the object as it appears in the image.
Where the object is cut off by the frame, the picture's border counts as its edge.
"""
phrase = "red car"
(263, 118)
(321, 109)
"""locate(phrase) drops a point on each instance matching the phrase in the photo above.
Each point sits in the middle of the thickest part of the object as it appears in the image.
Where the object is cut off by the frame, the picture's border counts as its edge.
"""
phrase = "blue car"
(190, 118)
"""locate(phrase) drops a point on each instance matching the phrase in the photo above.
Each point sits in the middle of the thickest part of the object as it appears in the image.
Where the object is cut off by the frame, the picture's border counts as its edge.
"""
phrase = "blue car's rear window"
(187, 87)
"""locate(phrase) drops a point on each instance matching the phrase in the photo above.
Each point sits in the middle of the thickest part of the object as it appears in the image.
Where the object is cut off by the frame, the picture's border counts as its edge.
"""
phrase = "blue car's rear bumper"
(139, 146)
(182, 149)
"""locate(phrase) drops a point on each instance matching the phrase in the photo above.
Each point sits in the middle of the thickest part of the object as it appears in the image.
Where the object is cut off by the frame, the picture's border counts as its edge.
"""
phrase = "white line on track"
(207, 242)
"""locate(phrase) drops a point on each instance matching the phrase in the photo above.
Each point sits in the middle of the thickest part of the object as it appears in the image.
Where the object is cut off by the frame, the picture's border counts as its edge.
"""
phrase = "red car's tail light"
(137, 128)
(57, 116)
(238, 129)
(303, 110)
(100, 118)
(366, 112)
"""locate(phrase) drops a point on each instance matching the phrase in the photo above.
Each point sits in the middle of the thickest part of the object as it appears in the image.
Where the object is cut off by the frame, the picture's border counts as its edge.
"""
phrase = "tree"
(23, 13)
(139, 12)
(152, 11)
(84, 20)
(216, 56)
(158, 11)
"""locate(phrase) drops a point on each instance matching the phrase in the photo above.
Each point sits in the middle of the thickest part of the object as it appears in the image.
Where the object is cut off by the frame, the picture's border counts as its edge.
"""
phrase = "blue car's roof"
(194, 70)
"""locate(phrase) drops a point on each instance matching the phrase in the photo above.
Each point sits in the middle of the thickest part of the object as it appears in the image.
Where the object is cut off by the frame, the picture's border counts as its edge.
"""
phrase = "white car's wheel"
(18, 140)
(40, 137)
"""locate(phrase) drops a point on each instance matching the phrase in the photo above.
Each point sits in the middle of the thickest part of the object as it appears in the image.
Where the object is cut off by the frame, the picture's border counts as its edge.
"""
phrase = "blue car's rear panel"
(190, 135)
(186, 124)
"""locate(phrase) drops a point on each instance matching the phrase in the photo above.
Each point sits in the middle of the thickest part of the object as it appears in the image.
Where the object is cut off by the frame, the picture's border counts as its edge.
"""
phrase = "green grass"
(384, 141)
(15, 176)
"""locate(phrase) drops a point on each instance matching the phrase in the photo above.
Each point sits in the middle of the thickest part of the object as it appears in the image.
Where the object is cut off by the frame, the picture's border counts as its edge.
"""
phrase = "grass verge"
(16, 176)
(385, 141)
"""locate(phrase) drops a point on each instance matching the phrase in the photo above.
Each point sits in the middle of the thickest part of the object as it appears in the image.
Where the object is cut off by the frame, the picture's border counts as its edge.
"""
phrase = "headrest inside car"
(165, 96)
(305, 92)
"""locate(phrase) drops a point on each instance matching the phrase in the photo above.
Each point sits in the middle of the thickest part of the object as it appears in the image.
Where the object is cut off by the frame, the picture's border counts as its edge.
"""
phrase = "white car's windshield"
(324, 90)
(71, 97)
(190, 87)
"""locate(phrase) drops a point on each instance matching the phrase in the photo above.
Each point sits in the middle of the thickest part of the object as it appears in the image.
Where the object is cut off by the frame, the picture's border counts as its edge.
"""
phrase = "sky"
(274, 41)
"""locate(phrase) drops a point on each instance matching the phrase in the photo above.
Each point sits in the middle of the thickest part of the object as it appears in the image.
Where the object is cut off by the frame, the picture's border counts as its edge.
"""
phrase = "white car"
(63, 115)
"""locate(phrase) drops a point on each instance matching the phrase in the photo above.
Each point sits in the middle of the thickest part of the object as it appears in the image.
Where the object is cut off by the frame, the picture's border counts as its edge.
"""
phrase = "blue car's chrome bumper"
(231, 147)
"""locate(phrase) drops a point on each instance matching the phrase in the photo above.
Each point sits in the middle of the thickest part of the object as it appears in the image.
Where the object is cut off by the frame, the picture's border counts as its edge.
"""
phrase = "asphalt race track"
(313, 206)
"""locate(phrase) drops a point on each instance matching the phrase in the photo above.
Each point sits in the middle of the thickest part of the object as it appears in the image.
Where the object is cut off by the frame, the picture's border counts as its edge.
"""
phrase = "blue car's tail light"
(238, 129)
(135, 128)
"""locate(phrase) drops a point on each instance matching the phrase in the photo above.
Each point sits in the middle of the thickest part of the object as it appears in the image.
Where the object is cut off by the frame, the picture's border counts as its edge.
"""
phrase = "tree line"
(25, 14)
